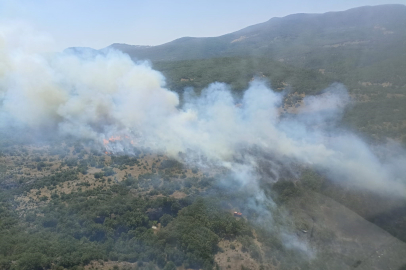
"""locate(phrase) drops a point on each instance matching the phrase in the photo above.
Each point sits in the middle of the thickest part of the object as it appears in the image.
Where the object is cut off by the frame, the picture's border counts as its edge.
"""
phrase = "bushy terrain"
(64, 207)
(68, 206)
(378, 109)
(238, 72)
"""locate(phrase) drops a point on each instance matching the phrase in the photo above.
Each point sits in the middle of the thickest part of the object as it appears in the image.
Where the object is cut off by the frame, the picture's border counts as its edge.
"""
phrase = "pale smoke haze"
(99, 96)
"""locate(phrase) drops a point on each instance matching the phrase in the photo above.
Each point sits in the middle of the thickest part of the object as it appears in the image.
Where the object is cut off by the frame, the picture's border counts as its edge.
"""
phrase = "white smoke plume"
(103, 95)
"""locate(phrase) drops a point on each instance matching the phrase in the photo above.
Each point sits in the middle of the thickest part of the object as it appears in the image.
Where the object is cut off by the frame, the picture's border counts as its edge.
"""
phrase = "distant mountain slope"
(302, 39)
(364, 48)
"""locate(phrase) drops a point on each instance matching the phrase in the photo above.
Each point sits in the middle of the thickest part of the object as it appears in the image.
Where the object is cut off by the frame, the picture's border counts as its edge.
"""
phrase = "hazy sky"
(98, 23)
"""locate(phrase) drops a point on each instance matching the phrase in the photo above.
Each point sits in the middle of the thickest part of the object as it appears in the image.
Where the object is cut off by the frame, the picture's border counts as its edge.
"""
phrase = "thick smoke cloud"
(97, 96)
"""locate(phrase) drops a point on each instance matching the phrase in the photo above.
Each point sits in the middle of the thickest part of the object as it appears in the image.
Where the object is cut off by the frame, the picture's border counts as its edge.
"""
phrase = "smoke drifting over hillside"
(99, 96)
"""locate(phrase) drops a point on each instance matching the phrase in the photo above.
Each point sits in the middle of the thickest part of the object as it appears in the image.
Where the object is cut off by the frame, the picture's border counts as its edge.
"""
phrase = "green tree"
(32, 261)
(170, 266)
(165, 219)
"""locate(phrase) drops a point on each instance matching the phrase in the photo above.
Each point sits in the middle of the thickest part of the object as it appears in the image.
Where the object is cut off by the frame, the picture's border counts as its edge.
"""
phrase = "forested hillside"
(72, 207)
(378, 110)
(78, 198)
(363, 48)
(301, 39)
(238, 72)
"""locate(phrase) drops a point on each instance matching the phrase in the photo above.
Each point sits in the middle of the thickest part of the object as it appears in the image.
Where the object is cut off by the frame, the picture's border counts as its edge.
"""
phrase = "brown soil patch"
(234, 258)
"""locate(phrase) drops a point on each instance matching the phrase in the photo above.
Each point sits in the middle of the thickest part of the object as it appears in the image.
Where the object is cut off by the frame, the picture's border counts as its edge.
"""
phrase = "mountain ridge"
(295, 35)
